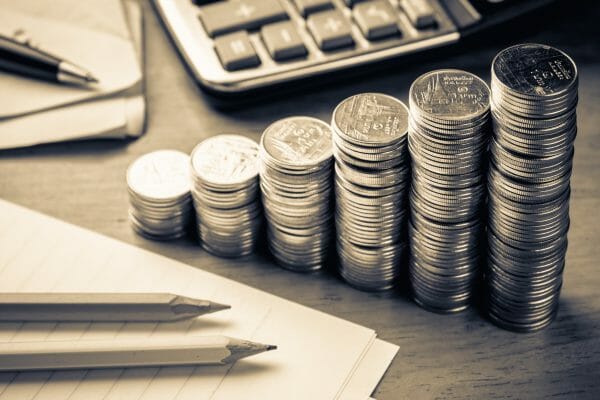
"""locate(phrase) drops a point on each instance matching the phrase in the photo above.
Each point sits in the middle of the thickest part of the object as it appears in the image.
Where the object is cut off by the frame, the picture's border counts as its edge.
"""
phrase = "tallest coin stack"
(534, 96)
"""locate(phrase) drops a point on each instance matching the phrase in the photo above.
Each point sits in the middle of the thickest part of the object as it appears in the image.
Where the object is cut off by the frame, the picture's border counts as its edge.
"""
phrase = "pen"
(102, 307)
(26, 60)
(146, 352)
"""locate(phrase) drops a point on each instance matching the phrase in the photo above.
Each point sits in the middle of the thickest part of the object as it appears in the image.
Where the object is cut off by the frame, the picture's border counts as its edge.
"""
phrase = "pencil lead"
(214, 307)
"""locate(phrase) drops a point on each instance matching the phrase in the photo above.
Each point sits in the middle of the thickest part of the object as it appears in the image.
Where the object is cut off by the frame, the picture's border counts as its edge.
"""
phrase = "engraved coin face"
(160, 175)
(371, 119)
(450, 94)
(535, 70)
(226, 160)
(298, 141)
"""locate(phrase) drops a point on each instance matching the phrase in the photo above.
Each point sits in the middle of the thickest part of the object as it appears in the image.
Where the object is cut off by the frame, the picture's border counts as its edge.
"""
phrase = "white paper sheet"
(111, 59)
(317, 352)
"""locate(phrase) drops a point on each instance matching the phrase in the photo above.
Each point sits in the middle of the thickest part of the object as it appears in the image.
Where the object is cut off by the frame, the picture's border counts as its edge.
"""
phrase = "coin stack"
(295, 180)
(371, 179)
(534, 97)
(225, 192)
(159, 194)
(448, 137)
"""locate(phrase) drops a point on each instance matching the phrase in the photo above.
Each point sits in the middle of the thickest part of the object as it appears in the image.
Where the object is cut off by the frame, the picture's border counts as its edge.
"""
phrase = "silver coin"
(535, 71)
(297, 142)
(158, 185)
(160, 175)
(534, 98)
(450, 95)
(371, 120)
(448, 134)
(296, 165)
(225, 161)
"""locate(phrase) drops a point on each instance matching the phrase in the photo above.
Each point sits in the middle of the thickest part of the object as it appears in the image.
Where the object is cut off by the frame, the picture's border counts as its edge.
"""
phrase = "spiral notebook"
(319, 356)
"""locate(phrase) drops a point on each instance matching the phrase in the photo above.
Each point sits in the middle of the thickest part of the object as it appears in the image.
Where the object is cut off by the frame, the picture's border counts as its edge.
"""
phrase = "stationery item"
(225, 191)
(21, 58)
(191, 350)
(448, 139)
(160, 204)
(318, 357)
(296, 166)
(104, 37)
(371, 180)
(534, 106)
(102, 307)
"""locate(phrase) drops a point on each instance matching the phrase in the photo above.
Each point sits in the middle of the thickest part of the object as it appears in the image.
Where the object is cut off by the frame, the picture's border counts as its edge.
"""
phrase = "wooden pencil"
(188, 350)
(102, 307)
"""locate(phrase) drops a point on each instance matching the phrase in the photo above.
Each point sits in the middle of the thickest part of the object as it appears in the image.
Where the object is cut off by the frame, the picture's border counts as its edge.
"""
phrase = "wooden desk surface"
(456, 356)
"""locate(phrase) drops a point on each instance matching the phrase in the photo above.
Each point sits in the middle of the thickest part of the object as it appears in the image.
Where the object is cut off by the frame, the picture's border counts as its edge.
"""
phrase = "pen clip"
(20, 35)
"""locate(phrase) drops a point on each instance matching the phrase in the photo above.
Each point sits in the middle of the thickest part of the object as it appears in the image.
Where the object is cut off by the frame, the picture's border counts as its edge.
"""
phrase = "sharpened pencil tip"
(218, 307)
(271, 347)
(91, 78)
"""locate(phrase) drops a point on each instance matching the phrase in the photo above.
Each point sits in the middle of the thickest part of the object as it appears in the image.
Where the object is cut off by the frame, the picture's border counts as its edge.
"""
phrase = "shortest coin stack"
(295, 171)
(225, 192)
(159, 194)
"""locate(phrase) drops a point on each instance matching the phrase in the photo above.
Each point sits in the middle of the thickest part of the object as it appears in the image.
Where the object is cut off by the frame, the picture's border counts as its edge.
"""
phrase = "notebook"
(103, 36)
(319, 356)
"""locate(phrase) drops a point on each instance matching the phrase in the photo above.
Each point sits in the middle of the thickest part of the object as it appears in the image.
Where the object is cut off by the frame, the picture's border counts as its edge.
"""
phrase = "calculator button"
(330, 29)
(419, 12)
(234, 15)
(283, 41)
(310, 6)
(236, 52)
(376, 19)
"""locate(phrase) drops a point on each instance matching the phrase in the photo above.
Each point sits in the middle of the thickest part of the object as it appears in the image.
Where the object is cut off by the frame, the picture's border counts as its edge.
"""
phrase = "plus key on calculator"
(237, 46)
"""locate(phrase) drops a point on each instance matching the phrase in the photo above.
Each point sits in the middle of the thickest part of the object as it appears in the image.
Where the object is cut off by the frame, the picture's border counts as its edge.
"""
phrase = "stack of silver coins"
(448, 137)
(295, 180)
(225, 191)
(159, 194)
(534, 97)
(371, 180)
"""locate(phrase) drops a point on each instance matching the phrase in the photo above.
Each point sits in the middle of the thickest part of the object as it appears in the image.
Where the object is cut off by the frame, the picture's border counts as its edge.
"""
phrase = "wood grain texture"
(449, 357)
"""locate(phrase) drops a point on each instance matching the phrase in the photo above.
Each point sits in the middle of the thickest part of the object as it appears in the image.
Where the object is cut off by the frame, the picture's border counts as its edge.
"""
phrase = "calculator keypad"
(283, 40)
(329, 22)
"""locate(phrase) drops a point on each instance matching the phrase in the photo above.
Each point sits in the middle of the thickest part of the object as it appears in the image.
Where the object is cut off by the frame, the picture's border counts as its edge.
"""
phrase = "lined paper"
(318, 357)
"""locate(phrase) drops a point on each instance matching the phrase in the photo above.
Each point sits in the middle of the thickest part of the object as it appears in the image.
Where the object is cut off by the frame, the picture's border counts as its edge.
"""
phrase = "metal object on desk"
(229, 45)
(225, 192)
(159, 194)
(534, 98)
(371, 178)
(448, 137)
(295, 170)
(23, 59)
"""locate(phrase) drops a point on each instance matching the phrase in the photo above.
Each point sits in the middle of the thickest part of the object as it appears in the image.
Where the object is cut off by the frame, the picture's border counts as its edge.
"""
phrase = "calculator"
(238, 46)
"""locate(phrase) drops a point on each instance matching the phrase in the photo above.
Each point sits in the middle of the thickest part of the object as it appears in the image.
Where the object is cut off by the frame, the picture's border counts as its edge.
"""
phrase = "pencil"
(188, 350)
(102, 307)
